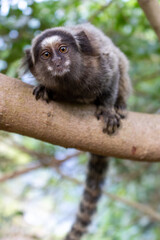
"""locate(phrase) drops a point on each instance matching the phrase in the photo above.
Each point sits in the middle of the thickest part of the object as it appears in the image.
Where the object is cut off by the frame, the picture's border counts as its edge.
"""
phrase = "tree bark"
(75, 126)
(152, 10)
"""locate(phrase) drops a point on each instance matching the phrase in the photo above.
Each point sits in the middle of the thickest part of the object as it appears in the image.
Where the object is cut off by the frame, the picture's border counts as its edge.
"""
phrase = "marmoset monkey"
(81, 64)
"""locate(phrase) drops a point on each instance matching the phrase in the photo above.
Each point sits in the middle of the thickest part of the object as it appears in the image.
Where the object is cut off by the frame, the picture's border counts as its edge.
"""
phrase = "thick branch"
(152, 10)
(75, 125)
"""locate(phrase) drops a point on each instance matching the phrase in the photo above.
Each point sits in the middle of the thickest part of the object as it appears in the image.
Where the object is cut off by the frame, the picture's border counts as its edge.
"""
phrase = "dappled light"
(40, 183)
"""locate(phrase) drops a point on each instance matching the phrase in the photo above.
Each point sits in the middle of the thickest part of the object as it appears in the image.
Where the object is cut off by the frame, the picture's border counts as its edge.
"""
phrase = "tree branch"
(72, 125)
(145, 209)
(152, 10)
(100, 10)
(52, 163)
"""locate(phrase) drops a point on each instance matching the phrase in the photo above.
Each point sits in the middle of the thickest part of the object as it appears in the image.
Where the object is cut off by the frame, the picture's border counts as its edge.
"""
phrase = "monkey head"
(55, 54)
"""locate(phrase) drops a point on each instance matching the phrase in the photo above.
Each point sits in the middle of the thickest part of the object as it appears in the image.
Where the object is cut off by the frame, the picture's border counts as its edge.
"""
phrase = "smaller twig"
(70, 156)
(42, 156)
(19, 172)
(71, 179)
(100, 10)
(147, 210)
(53, 162)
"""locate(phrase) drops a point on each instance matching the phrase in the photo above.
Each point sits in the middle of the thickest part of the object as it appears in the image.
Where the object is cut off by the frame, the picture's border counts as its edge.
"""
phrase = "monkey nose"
(57, 62)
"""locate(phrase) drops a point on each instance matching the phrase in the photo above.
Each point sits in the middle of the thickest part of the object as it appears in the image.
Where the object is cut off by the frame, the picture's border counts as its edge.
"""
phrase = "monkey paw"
(41, 92)
(110, 117)
(121, 110)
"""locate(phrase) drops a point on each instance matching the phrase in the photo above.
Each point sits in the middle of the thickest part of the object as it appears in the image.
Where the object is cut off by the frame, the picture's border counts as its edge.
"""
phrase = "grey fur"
(94, 71)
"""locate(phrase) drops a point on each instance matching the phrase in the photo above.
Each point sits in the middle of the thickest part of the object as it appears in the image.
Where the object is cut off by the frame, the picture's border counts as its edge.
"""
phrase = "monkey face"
(53, 56)
(56, 55)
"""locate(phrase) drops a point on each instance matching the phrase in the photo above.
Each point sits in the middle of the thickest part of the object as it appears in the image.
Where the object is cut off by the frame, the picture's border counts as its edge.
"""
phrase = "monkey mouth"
(60, 70)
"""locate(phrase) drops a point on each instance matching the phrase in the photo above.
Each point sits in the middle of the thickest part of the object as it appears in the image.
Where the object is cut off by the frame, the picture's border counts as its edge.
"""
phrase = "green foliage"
(123, 21)
(42, 203)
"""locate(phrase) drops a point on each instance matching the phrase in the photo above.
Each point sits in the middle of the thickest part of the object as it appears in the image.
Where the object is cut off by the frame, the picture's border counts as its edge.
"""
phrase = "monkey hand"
(110, 118)
(42, 92)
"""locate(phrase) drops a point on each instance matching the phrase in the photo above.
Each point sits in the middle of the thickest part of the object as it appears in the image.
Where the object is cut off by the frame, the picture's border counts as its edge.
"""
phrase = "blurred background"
(41, 184)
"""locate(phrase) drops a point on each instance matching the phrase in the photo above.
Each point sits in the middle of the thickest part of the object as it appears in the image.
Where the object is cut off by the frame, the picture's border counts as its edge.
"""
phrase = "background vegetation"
(41, 203)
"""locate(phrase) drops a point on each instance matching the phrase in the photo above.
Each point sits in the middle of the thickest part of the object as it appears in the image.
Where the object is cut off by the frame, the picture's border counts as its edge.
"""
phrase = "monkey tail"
(93, 189)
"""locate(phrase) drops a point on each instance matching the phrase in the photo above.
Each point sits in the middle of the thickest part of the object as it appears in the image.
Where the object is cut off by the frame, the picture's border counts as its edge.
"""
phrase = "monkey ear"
(27, 63)
(84, 43)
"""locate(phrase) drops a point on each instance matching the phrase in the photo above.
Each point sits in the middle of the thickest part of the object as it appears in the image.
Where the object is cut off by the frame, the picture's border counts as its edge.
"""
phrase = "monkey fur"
(81, 64)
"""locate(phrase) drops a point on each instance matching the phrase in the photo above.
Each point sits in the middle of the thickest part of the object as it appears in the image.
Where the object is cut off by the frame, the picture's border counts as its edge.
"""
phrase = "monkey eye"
(45, 55)
(63, 49)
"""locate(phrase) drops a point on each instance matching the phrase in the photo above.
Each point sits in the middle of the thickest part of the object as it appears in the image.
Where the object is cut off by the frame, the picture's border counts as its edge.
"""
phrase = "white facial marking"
(67, 63)
(50, 40)
(50, 68)
(54, 72)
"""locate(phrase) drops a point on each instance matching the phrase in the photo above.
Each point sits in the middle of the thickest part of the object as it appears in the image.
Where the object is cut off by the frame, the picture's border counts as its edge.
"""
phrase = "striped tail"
(95, 178)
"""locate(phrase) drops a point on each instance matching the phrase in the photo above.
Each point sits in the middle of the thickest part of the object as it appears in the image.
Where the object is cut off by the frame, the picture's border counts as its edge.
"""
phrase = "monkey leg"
(125, 88)
(121, 107)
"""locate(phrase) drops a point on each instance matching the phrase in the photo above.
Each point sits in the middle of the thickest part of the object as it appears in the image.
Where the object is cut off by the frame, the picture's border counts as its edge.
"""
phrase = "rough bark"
(152, 10)
(75, 125)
